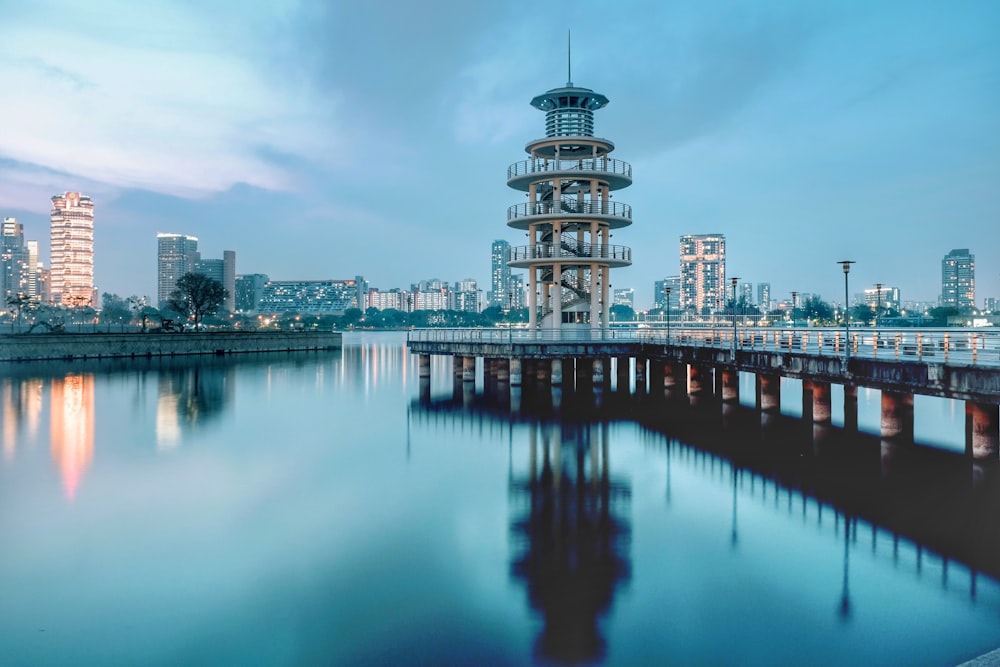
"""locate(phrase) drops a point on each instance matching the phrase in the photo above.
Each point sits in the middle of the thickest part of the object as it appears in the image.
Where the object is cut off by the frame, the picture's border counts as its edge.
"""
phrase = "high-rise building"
(331, 297)
(34, 267)
(764, 296)
(882, 297)
(499, 274)
(958, 279)
(517, 291)
(247, 291)
(221, 270)
(624, 297)
(746, 293)
(703, 271)
(465, 296)
(569, 215)
(15, 263)
(71, 247)
(176, 254)
(667, 300)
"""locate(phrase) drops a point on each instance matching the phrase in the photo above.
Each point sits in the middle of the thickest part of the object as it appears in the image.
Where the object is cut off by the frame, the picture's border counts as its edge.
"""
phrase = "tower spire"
(569, 58)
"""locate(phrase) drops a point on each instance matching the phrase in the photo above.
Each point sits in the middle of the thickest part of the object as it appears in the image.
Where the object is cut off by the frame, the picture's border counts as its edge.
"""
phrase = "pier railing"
(953, 346)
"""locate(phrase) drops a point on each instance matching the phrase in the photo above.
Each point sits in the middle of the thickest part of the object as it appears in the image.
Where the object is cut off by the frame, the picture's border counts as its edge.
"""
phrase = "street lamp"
(668, 315)
(794, 302)
(846, 263)
(878, 301)
(734, 279)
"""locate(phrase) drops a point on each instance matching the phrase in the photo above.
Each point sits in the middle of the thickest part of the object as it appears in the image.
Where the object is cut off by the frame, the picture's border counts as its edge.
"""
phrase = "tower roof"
(569, 97)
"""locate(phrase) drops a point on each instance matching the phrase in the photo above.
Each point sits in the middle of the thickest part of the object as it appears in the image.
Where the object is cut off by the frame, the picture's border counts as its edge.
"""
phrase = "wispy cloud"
(150, 100)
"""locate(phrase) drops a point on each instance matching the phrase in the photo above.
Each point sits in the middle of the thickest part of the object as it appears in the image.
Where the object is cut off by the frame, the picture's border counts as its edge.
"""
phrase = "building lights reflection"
(72, 428)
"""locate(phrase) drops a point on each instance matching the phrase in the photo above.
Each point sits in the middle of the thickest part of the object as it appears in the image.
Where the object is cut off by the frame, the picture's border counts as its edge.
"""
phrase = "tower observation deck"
(569, 215)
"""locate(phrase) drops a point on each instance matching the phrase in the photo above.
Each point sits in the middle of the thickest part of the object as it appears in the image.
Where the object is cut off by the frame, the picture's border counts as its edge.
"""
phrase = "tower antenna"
(569, 58)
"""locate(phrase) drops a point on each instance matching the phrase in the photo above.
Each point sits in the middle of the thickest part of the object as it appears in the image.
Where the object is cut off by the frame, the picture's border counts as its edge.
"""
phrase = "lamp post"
(846, 263)
(795, 296)
(734, 279)
(878, 301)
(668, 314)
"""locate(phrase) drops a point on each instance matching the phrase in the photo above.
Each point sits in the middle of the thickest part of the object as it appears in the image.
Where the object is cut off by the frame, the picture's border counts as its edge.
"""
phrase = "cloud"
(152, 100)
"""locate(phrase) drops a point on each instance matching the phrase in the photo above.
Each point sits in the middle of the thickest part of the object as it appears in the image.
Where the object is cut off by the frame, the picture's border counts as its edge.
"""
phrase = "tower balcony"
(616, 173)
(523, 257)
(614, 214)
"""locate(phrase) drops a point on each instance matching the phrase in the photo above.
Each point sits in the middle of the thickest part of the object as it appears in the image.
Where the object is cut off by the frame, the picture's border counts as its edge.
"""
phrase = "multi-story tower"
(958, 279)
(746, 293)
(248, 290)
(221, 270)
(465, 296)
(667, 300)
(764, 296)
(703, 271)
(34, 290)
(569, 214)
(499, 274)
(72, 249)
(15, 263)
(176, 254)
(516, 291)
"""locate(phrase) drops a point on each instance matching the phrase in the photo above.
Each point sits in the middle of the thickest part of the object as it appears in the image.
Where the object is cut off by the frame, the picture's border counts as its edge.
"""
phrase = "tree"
(18, 303)
(621, 312)
(862, 313)
(114, 309)
(196, 296)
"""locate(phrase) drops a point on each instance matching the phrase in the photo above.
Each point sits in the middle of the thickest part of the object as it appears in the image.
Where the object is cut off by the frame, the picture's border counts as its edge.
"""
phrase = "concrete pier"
(556, 372)
(770, 393)
(897, 416)
(822, 412)
(730, 385)
(985, 431)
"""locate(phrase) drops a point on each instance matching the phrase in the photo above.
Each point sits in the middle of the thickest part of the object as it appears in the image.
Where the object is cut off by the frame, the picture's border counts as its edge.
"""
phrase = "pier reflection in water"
(329, 509)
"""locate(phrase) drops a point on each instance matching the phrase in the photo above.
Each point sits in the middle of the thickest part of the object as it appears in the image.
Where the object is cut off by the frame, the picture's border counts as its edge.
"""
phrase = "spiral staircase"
(569, 216)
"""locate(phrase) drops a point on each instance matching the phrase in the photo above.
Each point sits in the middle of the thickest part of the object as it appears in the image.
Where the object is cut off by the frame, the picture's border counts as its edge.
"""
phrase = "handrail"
(572, 207)
(570, 251)
(539, 165)
(966, 346)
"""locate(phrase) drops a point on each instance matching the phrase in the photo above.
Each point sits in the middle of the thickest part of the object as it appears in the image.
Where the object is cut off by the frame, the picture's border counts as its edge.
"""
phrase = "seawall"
(70, 346)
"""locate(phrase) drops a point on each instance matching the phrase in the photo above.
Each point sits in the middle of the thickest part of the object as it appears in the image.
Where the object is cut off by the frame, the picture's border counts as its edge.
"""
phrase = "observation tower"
(568, 180)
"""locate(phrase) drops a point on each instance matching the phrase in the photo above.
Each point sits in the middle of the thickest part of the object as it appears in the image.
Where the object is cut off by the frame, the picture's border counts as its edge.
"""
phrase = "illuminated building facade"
(324, 297)
(71, 272)
(958, 279)
(499, 274)
(16, 270)
(703, 272)
(176, 254)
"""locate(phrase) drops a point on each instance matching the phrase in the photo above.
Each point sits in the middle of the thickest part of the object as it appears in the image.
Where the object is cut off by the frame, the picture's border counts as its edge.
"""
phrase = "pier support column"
(468, 369)
(424, 365)
(821, 410)
(770, 392)
(556, 374)
(985, 430)
(897, 415)
(515, 373)
(623, 374)
(850, 407)
(807, 400)
(456, 369)
(597, 370)
(640, 375)
(699, 380)
(543, 372)
(730, 385)
(503, 370)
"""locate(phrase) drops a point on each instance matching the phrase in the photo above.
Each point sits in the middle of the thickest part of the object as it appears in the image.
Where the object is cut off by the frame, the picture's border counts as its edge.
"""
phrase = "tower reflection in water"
(570, 536)
(72, 428)
(569, 525)
(189, 396)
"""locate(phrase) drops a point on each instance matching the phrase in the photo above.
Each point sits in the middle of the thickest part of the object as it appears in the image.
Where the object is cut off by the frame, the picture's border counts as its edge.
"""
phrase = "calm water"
(314, 510)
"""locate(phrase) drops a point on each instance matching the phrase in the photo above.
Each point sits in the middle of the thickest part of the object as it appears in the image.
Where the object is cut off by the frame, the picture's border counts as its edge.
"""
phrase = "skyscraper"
(221, 270)
(499, 274)
(176, 254)
(958, 279)
(15, 264)
(703, 271)
(764, 296)
(661, 299)
(72, 249)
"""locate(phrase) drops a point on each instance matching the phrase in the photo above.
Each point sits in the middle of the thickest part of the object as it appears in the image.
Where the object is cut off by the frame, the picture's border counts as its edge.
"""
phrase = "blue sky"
(323, 139)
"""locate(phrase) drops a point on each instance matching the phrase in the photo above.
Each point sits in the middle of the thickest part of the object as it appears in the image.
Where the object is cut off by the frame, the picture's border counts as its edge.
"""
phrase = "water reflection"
(188, 397)
(72, 428)
(569, 515)
(569, 520)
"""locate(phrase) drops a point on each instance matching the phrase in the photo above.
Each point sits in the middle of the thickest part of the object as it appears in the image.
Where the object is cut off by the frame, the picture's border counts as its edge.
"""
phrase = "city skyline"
(805, 135)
